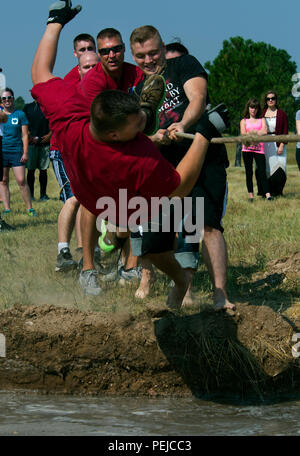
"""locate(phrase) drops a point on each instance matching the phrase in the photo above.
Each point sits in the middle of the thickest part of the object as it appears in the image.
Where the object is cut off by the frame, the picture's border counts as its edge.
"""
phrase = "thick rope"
(246, 139)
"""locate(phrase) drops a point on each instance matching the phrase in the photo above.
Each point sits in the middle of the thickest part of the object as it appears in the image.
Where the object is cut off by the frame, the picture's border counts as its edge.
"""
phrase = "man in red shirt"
(69, 216)
(110, 73)
(104, 150)
(82, 43)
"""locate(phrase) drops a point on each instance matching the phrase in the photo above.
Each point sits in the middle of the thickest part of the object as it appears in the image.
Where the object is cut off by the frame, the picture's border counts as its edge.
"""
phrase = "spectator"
(277, 123)
(3, 118)
(15, 151)
(250, 124)
(38, 150)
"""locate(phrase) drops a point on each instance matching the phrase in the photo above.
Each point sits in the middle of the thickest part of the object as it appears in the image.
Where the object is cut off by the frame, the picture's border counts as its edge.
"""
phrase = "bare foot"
(147, 280)
(225, 305)
(189, 299)
(177, 293)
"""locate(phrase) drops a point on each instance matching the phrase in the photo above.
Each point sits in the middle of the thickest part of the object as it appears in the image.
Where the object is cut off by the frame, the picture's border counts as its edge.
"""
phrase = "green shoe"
(105, 245)
(6, 211)
(151, 98)
(32, 213)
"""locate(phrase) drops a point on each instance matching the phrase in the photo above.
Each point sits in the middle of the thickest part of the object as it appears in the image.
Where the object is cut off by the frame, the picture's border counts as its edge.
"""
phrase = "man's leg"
(44, 161)
(90, 236)
(43, 180)
(30, 181)
(167, 263)
(78, 229)
(65, 226)
(66, 218)
(215, 258)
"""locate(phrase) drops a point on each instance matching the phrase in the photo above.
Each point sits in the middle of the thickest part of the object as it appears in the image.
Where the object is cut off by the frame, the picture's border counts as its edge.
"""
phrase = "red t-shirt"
(97, 169)
(73, 76)
(96, 80)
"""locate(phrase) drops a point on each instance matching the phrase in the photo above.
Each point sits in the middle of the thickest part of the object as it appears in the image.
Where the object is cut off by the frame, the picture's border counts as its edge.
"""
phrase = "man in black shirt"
(182, 110)
(38, 151)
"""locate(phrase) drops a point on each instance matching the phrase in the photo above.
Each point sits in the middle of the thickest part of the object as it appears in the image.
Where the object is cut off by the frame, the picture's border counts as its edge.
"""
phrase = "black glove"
(61, 12)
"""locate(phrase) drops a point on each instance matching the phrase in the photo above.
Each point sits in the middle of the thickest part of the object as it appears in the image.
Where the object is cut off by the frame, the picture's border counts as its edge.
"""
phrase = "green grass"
(255, 235)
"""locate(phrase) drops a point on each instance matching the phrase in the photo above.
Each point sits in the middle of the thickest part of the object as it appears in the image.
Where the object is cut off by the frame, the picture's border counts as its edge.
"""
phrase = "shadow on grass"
(268, 290)
(34, 222)
(205, 351)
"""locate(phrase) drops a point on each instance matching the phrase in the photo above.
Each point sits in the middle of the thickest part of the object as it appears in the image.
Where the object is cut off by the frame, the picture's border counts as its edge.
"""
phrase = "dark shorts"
(11, 159)
(61, 175)
(143, 242)
(212, 186)
(38, 157)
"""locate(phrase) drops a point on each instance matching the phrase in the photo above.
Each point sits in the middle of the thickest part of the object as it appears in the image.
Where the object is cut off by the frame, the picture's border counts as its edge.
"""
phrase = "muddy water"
(39, 415)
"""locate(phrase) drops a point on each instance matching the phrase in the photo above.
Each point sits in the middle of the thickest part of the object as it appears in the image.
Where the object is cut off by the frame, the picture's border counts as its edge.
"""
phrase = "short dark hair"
(265, 98)
(177, 47)
(252, 103)
(84, 37)
(110, 110)
(109, 33)
(7, 89)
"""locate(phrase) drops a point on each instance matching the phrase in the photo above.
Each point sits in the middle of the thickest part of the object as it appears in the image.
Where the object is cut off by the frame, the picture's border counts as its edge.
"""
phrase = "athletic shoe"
(64, 261)
(151, 98)
(88, 280)
(129, 275)
(5, 227)
(31, 213)
(219, 117)
(6, 211)
(44, 198)
(114, 274)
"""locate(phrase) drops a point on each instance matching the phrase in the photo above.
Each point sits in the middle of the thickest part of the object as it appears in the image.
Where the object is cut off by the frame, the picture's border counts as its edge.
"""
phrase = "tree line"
(244, 69)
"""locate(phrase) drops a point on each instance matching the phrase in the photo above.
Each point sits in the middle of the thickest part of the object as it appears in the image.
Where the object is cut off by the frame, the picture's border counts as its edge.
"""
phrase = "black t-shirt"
(38, 124)
(176, 73)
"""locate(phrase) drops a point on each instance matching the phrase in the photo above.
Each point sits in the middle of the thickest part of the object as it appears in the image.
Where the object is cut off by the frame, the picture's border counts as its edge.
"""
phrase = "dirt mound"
(288, 265)
(56, 349)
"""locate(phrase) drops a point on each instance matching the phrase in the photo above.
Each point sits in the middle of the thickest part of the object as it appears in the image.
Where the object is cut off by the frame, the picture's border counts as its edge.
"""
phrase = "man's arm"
(45, 55)
(60, 13)
(196, 91)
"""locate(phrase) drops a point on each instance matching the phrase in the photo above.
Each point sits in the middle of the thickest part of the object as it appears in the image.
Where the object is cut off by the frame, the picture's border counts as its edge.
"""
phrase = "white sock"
(62, 245)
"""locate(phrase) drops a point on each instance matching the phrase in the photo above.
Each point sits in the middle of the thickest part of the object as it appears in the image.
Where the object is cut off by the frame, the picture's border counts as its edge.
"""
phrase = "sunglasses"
(271, 98)
(7, 98)
(114, 49)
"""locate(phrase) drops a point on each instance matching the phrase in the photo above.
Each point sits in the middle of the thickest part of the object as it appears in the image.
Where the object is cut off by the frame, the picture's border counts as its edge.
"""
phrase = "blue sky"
(201, 26)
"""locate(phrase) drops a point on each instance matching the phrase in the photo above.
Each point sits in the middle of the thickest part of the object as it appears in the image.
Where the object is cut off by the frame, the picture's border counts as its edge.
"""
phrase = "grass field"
(255, 235)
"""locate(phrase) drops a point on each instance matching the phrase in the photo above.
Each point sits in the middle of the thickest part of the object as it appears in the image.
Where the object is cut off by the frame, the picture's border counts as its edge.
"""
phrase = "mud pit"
(53, 349)
(59, 350)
